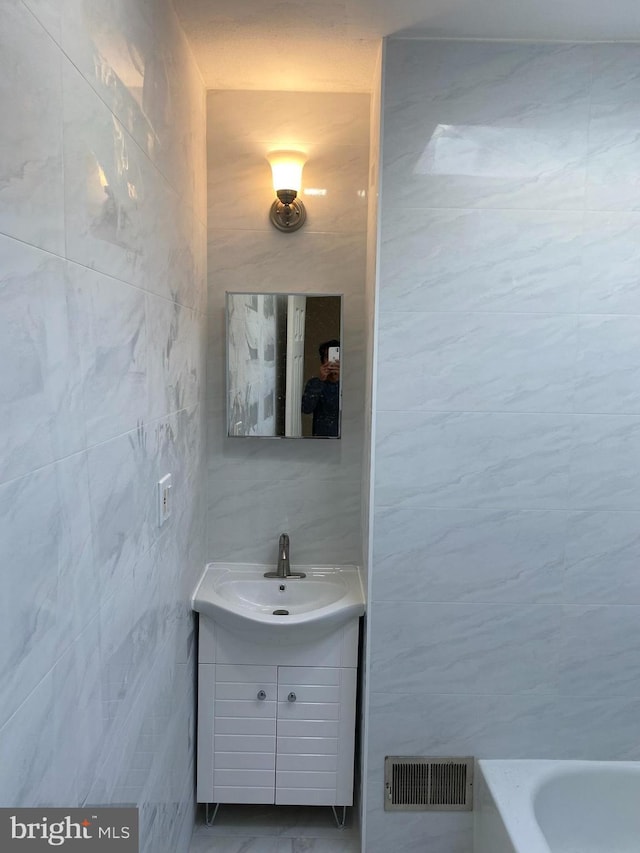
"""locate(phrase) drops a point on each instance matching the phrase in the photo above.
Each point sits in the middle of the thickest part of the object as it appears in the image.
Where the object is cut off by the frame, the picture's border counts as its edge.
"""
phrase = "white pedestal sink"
(276, 610)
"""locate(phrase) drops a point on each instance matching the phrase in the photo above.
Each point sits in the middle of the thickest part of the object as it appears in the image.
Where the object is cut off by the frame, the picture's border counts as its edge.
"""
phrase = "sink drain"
(280, 612)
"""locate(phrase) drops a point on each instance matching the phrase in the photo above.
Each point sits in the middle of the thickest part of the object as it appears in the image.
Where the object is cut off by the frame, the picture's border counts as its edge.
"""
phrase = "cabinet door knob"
(292, 697)
(261, 695)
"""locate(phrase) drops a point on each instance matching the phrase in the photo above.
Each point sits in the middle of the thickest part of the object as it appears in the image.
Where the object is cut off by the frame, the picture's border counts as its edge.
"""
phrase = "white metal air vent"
(428, 783)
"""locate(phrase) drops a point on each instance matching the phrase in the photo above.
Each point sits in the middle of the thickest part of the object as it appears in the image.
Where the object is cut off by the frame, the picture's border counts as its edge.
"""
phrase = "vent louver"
(432, 783)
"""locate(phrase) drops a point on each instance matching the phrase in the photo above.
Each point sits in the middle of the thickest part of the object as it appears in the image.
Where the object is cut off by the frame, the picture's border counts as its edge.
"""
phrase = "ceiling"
(332, 45)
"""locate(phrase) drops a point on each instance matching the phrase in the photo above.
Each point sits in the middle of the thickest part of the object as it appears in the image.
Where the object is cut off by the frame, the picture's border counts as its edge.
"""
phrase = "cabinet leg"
(340, 823)
(209, 819)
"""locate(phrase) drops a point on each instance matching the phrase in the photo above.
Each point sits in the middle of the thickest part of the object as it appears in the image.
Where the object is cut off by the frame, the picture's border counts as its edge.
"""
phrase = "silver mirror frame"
(252, 413)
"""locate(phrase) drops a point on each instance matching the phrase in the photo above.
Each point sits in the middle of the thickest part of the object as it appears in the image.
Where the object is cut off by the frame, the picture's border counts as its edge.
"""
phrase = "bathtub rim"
(514, 784)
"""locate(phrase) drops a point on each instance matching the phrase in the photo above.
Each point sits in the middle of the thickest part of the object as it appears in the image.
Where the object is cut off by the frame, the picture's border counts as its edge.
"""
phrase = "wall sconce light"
(287, 211)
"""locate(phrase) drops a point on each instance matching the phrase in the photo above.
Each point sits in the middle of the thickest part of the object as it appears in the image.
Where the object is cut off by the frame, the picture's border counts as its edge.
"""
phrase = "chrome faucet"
(284, 565)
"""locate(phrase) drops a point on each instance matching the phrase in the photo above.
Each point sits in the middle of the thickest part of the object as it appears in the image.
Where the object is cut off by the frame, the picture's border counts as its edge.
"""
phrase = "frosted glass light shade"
(286, 169)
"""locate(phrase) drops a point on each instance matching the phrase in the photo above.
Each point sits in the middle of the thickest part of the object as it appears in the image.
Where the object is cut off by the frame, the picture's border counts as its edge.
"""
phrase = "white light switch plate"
(164, 499)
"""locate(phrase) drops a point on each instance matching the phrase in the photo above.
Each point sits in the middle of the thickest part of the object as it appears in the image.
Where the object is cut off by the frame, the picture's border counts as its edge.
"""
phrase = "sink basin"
(241, 599)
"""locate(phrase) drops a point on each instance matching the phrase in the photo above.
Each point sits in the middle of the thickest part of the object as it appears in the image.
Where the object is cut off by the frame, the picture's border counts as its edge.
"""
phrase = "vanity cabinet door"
(316, 734)
(244, 734)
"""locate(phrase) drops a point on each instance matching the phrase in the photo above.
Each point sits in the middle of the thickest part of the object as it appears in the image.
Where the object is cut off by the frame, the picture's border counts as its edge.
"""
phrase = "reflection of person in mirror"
(322, 393)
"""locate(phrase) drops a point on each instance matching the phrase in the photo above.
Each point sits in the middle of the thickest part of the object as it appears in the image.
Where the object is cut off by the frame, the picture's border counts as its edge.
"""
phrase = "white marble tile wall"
(259, 487)
(370, 299)
(367, 445)
(102, 340)
(505, 617)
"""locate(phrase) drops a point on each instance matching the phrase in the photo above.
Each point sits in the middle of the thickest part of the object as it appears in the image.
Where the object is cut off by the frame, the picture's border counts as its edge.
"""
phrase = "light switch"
(164, 499)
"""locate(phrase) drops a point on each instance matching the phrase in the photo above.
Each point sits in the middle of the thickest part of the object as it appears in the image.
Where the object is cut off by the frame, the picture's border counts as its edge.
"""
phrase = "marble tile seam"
(586, 209)
(481, 209)
(501, 509)
(65, 650)
(510, 412)
(518, 41)
(346, 232)
(170, 638)
(515, 604)
(522, 694)
(149, 423)
(77, 264)
(178, 190)
(307, 228)
(387, 312)
(139, 700)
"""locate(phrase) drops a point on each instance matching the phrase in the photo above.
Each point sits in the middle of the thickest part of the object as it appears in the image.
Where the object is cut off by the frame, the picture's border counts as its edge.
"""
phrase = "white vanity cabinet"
(276, 724)
(244, 726)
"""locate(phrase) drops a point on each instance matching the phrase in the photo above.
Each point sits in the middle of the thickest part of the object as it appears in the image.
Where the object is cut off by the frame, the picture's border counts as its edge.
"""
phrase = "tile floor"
(274, 829)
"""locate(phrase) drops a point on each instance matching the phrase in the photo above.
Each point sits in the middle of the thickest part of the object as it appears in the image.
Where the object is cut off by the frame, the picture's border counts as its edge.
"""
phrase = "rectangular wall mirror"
(284, 356)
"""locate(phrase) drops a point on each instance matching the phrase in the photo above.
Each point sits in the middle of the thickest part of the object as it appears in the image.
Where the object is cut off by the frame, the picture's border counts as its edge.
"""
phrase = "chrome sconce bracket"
(287, 212)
